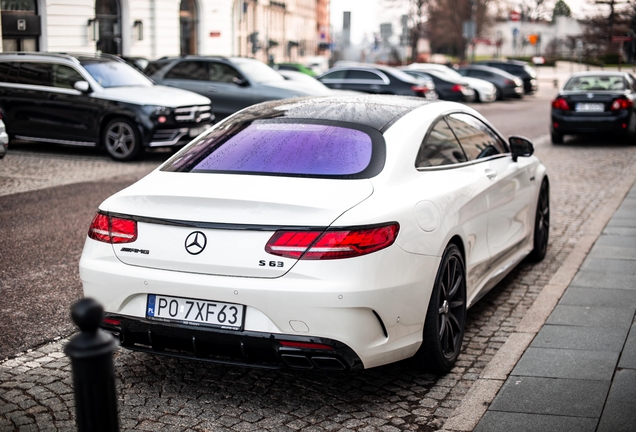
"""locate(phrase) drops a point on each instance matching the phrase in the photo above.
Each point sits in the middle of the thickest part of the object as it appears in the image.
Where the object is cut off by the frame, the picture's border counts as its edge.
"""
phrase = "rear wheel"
(121, 139)
(541, 224)
(446, 315)
(557, 138)
(499, 94)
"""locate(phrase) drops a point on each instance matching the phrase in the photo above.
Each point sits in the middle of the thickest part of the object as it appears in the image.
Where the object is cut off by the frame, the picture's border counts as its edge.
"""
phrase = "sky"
(367, 15)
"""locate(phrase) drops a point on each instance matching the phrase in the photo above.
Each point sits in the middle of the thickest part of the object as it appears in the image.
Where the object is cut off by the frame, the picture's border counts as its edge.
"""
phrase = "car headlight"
(518, 82)
(156, 110)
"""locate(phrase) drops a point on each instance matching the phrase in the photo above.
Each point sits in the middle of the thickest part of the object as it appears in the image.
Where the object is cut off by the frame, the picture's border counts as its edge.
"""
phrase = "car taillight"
(109, 229)
(621, 103)
(457, 88)
(560, 103)
(508, 82)
(419, 89)
(333, 244)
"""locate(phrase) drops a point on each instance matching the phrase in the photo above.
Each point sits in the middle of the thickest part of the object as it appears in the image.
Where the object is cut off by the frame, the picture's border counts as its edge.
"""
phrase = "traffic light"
(253, 38)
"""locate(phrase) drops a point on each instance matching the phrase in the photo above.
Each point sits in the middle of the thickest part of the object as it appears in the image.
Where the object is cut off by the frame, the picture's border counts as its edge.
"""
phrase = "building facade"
(286, 30)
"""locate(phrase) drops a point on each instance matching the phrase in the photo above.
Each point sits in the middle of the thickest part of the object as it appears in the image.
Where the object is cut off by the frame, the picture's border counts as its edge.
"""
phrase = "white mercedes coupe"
(329, 233)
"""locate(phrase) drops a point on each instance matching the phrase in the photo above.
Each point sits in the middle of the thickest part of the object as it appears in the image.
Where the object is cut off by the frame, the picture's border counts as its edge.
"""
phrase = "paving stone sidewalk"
(579, 372)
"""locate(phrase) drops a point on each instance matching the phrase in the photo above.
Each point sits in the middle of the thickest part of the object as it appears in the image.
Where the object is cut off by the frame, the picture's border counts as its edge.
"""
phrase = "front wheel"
(541, 224)
(446, 315)
(121, 139)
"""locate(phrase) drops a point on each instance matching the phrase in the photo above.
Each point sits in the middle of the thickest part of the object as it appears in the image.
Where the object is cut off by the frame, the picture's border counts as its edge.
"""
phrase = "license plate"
(197, 131)
(195, 312)
(590, 107)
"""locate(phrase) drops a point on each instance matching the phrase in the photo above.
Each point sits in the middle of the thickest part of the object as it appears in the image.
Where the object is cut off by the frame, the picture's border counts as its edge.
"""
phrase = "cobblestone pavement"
(158, 393)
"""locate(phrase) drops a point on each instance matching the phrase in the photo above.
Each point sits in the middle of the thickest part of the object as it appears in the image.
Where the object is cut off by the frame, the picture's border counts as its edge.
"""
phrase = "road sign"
(621, 39)
(469, 29)
(514, 16)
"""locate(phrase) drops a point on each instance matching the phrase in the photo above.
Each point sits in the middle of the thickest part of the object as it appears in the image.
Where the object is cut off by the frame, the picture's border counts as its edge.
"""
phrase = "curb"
(476, 402)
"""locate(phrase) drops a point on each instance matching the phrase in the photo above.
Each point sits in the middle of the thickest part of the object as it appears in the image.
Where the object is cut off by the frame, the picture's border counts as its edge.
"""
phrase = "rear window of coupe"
(287, 149)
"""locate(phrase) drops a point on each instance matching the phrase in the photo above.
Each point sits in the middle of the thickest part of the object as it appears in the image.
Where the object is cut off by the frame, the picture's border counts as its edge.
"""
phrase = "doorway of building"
(189, 21)
(108, 14)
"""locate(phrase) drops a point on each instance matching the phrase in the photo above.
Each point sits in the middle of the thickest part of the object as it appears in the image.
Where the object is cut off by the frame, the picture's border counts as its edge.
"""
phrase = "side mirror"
(82, 86)
(240, 81)
(520, 146)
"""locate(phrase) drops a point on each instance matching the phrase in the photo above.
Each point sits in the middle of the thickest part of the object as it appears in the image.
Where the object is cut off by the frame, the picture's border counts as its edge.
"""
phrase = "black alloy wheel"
(541, 224)
(121, 139)
(446, 315)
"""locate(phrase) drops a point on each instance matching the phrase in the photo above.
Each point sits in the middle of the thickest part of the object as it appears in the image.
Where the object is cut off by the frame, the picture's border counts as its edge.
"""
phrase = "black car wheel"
(121, 140)
(557, 138)
(446, 315)
(499, 94)
(541, 224)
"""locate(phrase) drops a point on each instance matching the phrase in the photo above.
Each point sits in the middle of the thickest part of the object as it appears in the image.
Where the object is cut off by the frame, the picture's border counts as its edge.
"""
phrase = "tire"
(121, 140)
(541, 224)
(499, 94)
(446, 315)
(557, 138)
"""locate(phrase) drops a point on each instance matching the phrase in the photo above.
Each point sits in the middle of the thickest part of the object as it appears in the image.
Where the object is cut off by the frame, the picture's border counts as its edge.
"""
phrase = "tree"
(561, 8)
(600, 27)
(446, 21)
(534, 10)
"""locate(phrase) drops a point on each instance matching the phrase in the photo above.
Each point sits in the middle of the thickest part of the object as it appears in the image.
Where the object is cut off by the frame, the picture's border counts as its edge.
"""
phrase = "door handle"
(213, 89)
(491, 174)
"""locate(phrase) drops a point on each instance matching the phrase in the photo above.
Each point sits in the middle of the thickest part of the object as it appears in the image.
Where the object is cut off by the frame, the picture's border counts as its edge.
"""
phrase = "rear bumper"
(247, 348)
(577, 124)
(530, 85)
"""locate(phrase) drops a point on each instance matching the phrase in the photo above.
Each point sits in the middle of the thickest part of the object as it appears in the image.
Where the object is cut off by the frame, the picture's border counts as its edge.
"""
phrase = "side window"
(190, 70)
(220, 72)
(363, 75)
(65, 77)
(337, 75)
(35, 73)
(9, 72)
(475, 137)
(440, 148)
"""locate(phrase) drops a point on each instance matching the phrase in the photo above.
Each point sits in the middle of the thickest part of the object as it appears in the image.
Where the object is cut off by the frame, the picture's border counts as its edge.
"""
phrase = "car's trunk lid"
(219, 224)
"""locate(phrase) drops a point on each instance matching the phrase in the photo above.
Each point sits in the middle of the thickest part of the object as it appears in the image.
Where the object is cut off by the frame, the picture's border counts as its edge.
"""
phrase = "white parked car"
(336, 233)
(486, 91)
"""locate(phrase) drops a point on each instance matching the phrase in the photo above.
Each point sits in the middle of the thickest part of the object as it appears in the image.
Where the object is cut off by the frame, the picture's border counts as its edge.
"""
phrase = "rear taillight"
(419, 89)
(508, 82)
(109, 229)
(333, 244)
(457, 88)
(561, 104)
(621, 104)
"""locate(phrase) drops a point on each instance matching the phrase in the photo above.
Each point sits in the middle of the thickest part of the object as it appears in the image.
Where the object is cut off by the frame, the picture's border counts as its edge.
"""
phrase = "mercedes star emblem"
(590, 95)
(195, 243)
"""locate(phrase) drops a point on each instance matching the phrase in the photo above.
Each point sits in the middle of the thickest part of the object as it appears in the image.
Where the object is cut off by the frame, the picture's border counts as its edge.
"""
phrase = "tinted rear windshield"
(285, 148)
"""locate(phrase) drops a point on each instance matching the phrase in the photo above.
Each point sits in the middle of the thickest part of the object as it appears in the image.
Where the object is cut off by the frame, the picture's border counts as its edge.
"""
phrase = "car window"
(479, 74)
(355, 74)
(476, 138)
(280, 148)
(220, 72)
(256, 71)
(595, 82)
(339, 74)
(9, 72)
(35, 73)
(190, 70)
(65, 76)
(440, 148)
(153, 67)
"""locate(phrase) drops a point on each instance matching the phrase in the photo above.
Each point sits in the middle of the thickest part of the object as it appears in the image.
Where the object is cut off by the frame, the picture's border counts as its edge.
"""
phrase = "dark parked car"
(232, 83)
(517, 68)
(446, 88)
(4, 139)
(595, 102)
(376, 79)
(95, 100)
(507, 84)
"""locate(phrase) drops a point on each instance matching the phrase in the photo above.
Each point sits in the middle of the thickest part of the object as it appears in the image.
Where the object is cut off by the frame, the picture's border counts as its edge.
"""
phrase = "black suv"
(517, 68)
(95, 100)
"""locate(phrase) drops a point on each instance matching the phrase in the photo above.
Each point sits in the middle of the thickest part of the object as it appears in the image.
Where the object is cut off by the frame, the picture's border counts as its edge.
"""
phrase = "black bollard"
(91, 353)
